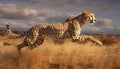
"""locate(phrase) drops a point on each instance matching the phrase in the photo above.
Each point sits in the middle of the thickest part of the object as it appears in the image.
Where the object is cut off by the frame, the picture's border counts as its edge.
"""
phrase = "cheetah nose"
(95, 20)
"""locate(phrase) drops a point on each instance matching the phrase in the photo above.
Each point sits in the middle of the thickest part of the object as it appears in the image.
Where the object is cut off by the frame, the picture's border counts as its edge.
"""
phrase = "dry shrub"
(109, 39)
(17, 31)
(58, 41)
(7, 44)
(3, 33)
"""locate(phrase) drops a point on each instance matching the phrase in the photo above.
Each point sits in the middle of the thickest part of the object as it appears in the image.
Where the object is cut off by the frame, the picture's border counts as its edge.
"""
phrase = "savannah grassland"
(61, 55)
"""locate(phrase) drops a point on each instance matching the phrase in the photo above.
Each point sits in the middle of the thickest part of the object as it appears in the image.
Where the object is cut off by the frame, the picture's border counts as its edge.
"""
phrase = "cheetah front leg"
(87, 37)
(77, 31)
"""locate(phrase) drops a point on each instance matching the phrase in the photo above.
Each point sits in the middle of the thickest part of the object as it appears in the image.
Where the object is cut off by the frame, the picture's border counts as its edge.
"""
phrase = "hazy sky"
(26, 13)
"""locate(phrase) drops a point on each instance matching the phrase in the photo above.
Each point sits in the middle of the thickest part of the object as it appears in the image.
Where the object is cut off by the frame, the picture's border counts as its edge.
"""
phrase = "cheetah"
(70, 28)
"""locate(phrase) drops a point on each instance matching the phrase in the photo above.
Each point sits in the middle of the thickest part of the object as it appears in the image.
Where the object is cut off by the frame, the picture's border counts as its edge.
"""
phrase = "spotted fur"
(70, 28)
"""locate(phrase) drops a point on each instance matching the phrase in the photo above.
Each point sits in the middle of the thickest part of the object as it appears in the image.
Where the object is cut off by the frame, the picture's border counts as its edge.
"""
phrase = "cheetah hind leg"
(38, 42)
(20, 46)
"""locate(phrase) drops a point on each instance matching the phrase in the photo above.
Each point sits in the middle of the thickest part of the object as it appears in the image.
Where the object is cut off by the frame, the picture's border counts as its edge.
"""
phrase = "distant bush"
(3, 33)
(109, 39)
(17, 31)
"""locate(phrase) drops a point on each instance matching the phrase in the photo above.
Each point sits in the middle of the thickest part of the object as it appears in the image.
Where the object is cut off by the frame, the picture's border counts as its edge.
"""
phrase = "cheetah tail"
(13, 35)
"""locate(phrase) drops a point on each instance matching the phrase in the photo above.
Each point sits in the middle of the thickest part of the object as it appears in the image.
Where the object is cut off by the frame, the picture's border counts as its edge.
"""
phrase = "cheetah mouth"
(92, 22)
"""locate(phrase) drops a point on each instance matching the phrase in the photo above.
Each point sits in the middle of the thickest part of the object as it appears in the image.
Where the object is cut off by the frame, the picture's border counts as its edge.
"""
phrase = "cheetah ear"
(84, 12)
(71, 17)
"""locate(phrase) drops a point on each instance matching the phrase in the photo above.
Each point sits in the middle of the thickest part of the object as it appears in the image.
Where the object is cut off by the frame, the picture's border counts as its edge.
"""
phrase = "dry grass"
(68, 55)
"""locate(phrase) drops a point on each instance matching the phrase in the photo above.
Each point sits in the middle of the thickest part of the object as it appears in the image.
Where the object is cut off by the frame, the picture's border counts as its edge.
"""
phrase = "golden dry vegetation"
(61, 55)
